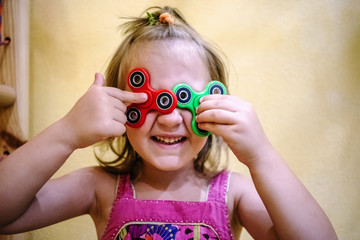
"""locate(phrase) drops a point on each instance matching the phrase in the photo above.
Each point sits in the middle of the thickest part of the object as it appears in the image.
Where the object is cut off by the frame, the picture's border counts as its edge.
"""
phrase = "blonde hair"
(147, 28)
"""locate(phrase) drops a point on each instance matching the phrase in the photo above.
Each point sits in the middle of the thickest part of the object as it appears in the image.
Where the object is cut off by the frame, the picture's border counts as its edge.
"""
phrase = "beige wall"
(298, 62)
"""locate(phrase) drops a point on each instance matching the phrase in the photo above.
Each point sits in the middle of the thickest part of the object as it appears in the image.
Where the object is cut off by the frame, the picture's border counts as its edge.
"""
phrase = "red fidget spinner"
(163, 100)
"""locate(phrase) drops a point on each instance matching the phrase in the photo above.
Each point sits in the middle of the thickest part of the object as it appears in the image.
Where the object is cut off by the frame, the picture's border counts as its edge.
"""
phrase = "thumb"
(99, 80)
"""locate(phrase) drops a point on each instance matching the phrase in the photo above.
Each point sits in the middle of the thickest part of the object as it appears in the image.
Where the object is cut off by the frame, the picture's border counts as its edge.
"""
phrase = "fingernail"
(144, 96)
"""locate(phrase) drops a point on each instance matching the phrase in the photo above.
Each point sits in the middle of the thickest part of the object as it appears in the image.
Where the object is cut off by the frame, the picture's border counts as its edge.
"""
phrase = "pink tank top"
(132, 218)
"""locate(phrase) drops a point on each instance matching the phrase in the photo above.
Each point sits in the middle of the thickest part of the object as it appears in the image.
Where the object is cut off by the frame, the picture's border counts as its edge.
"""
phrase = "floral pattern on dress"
(153, 231)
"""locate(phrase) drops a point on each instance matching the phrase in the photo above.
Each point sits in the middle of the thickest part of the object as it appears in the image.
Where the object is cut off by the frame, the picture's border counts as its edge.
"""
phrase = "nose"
(170, 120)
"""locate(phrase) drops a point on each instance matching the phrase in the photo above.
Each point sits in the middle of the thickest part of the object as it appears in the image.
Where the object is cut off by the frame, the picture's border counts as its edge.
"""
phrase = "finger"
(218, 129)
(113, 126)
(126, 96)
(118, 130)
(99, 80)
(118, 105)
(215, 104)
(227, 103)
(217, 116)
(120, 117)
(216, 101)
(132, 97)
(221, 98)
(214, 96)
(214, 128)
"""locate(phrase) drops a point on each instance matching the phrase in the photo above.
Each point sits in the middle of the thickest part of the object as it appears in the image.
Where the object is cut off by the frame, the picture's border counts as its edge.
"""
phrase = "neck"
(185, 184)
(161, 179)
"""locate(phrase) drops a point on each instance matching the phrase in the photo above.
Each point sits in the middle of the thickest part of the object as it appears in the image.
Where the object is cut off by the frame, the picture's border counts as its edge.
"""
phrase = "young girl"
(166, 183)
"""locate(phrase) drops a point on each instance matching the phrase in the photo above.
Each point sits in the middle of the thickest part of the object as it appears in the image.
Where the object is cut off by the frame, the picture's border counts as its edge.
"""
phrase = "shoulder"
(246, 206)
(239, 188)
(239, 185)
(100, 173)
(93, 180)
(94, 175)
(105, 185)
(99, 178)
(96, 180)
(243, 193)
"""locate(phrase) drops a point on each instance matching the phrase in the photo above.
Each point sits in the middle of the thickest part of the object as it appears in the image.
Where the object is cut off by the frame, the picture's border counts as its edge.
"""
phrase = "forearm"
(27, 169)
(294, 212)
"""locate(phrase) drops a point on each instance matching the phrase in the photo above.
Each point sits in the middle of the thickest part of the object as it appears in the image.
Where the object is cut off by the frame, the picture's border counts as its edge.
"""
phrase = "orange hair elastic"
(166, 18)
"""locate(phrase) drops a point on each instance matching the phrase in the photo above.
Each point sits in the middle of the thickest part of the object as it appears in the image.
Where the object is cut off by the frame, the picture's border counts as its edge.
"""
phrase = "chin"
(171, 163)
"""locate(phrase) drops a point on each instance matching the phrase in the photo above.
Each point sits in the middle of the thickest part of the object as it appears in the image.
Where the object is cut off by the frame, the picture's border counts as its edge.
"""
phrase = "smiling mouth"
(168, 140)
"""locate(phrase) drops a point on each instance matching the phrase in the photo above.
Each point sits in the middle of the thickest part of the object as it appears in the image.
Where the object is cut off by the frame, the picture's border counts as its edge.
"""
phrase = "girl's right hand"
(98, 114)
(237, 123)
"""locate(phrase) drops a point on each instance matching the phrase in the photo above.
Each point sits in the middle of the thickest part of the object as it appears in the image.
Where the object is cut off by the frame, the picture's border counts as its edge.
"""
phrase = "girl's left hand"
(237, 123)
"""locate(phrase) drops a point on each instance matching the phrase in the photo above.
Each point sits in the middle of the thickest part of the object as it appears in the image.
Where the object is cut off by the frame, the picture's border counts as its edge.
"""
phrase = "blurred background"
(297, 62)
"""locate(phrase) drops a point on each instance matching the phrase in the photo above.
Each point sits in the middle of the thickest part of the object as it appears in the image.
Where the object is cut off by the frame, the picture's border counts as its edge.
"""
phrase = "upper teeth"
(168, 140)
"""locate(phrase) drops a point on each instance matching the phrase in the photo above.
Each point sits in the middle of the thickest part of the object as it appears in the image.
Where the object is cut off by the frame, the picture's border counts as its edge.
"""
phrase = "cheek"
(137, 136)
(137, 139)
(187, 118)
(132, 134)
(199, 142)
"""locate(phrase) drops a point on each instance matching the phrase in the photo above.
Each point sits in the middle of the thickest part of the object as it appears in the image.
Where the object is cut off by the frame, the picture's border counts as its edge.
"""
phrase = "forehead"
(171, 62)
(175, 47)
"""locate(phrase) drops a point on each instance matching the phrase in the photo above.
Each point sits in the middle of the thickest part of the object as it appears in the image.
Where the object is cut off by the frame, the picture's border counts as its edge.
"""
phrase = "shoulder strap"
(219, 186)
(124, 188)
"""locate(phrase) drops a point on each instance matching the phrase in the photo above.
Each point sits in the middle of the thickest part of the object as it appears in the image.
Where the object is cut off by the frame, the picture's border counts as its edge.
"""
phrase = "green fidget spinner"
(188, 98)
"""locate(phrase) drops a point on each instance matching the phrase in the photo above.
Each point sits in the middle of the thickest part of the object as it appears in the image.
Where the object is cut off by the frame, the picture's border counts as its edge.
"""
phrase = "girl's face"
(166, 141)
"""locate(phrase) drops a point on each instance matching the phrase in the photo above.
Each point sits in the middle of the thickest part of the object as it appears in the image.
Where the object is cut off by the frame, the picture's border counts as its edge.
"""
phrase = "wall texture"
(298, 62)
